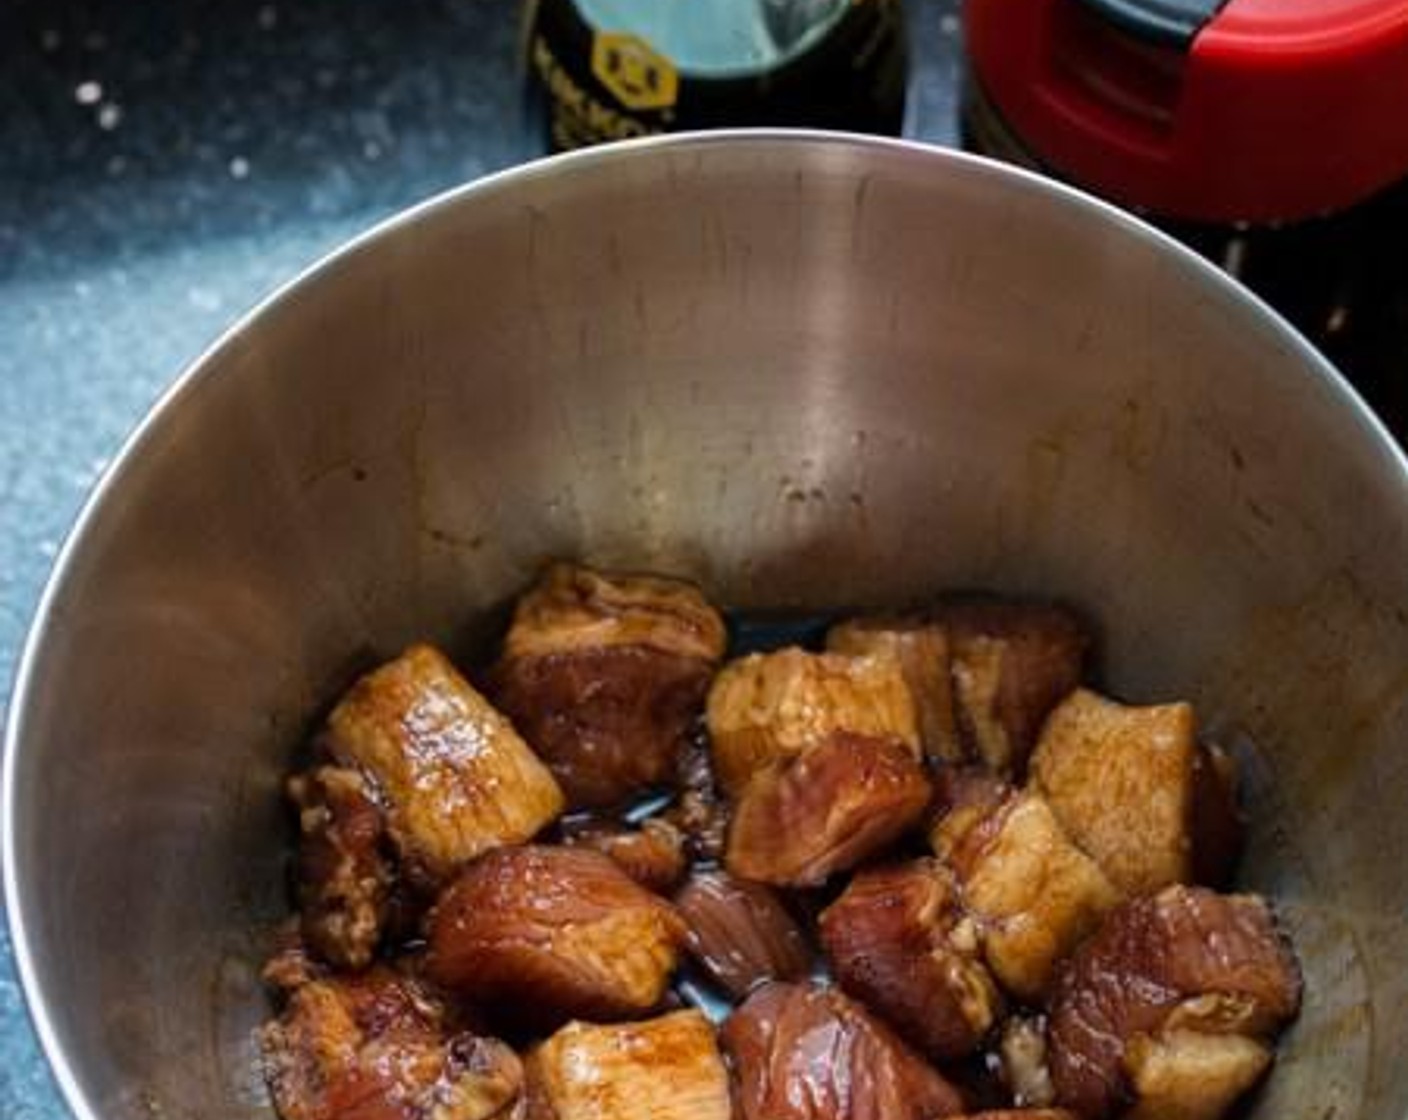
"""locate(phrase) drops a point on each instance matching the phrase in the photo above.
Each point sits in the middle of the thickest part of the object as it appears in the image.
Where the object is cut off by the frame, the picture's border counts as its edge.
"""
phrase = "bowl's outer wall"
(807, 372)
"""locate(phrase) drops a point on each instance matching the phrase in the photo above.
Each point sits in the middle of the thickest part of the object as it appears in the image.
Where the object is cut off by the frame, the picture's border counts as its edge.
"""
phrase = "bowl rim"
(1315, 366)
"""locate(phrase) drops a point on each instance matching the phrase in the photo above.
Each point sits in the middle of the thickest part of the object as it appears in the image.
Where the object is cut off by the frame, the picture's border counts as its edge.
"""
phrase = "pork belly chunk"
(921, 647)
(768, 709)
(1170, 1007)
(900, 940)
(667, 1068)
(826, 811)
(539, 935)
(740, 933)
(1035, 895)
(377, 1047)
(345, 875)
(605, 675)
(652, 852)
(806, 1052)
(1136, 791)
(450, 773)
(820, 754)
(983, 672)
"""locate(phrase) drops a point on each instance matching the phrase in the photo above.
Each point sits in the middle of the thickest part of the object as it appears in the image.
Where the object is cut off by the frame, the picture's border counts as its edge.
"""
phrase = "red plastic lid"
(1249, 110)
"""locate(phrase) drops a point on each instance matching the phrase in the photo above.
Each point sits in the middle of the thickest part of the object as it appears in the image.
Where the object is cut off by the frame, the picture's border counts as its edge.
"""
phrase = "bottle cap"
(1241, 110)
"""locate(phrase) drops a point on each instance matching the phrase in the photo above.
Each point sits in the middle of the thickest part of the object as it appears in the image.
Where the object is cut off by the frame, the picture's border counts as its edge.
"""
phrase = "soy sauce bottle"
(601, 70)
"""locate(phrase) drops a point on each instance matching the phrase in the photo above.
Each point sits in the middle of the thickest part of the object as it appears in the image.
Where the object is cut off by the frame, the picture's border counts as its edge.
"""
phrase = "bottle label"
(580, 108)
(638, 76)
(609, 83)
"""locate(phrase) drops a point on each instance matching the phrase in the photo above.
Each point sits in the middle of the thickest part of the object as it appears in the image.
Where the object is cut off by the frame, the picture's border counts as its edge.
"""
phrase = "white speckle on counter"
(109, 116)
(204, 299)
(88, 93)
(239, 168)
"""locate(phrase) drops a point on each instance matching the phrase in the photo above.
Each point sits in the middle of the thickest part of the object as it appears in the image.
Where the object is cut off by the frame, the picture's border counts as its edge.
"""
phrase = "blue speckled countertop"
(164, 166)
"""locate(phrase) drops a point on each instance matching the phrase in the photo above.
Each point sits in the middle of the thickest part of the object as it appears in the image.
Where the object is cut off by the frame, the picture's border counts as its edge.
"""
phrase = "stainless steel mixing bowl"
(807, 370)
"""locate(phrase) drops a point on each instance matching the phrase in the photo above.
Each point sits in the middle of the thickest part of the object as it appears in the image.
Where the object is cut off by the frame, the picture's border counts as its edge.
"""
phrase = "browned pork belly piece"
(921, 648)
(450, 773)
(666, 1068)
(768, 709)
(543, 934)
(900, 941)
(376, 1047)
(344, 874)
(1133, 787)
(820, 754)
(652, 853)
(1169, 1009)
(605, 674)
(806, 1052)
(740, 932)
(983, 672)
(826, 810)
(1035, 894)
(1012, 661)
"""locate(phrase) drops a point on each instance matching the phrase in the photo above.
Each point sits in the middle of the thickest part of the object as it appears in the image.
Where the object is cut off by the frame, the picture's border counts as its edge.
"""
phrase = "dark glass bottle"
(603, 70)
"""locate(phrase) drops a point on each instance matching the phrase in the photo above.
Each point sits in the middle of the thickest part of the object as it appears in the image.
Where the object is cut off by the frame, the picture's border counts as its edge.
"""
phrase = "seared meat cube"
(652, 853)
(546, 934)
(662, 1069)
(767, 709)
(1119, 779)
(826, 810)
(605, 675)
(375, 1047)
(983, 673)
(451, 774)
(1035, 893)
(1025, 1070)
(821, 755)
(740, 932)
(1189, 1075)
(1185, 962)
(900, 941)
(1125, 783)
(344, 876)
(921, 647)
(804, 1052)
(1011, 662)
